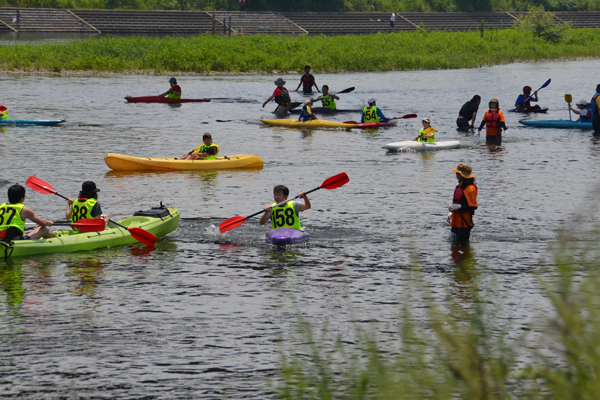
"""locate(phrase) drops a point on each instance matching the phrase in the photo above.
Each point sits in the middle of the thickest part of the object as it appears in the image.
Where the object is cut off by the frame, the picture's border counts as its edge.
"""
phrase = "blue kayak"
(31, 121)
(285, 236)
(559, 123)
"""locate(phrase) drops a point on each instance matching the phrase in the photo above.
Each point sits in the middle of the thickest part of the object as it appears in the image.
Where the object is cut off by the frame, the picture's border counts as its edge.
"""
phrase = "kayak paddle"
(333, 182)
(138, 234)
(402, 117)
(83, 225)
(543, 86)
(348, 90)
(569, 99)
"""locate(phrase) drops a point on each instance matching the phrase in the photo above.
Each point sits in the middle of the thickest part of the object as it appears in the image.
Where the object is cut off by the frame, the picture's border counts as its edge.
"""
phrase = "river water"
(200, 315)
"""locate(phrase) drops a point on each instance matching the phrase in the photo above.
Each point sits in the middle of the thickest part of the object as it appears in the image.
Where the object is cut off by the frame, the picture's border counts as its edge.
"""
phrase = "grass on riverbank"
(205, 54)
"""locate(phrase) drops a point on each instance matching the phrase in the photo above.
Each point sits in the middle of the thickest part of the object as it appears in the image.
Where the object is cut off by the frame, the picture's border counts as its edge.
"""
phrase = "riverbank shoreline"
(276, 55)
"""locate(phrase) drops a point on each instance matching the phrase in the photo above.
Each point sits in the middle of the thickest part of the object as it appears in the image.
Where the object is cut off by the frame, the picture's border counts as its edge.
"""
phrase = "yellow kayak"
(315, 123)
(119, 162)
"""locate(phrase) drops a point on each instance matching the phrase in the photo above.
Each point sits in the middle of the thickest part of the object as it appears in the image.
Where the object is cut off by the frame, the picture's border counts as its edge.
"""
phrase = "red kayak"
(158, 99)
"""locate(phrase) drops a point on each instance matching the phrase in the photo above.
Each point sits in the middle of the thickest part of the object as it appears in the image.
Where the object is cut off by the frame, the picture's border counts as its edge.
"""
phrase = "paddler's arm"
(306, 205)
(315, 83)
(69, 210)
(335, 96)
(27, 213)
(381, 116)
(268, 100)
(473, 119)
(265, 217)
(300, 84)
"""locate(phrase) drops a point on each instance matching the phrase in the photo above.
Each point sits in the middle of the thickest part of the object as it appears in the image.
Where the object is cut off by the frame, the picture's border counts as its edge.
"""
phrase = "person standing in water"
(464, 204)
(281, 96)
(494, 122)
(595, 111)
(468, 113)
(307, 81)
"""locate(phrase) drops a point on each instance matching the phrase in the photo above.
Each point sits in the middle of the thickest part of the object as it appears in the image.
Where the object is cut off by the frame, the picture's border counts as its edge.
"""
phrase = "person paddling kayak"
(585, 112)
(524, 100)
(174, 92)
(4, 113)
(86, 205)
(596, 111)
(306, 114)
(468, 113)
(327, 99)
(281, 96)
(207, 151)
(494, 122)
(427, 133)
(371, 113)
(13, 215)
(464, 204)
(307, 81)
(285, 216)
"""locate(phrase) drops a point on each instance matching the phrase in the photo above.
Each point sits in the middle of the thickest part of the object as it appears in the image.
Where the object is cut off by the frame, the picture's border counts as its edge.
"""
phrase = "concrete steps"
(254, 23)
(588, 19)
(347, 23)
(43, 20)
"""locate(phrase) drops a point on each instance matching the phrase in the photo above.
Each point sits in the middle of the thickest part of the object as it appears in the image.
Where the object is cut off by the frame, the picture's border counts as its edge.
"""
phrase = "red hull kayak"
(371, 125)
(158, 99)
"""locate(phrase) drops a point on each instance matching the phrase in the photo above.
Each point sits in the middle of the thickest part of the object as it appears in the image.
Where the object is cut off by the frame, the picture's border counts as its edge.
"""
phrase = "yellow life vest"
(10, 216)
(82, 208)
(204, 148)
(428, 131)
(285, 216)
(5, 115)
(328, 102)
(370, 114)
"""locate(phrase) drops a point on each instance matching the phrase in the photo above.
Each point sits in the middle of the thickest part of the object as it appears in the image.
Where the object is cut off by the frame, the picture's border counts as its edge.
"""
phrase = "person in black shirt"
(468, 113)
(307, 81)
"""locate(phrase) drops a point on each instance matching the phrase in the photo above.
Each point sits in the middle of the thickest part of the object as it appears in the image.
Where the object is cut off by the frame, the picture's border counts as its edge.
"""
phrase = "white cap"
(582, 103)
(371, 100)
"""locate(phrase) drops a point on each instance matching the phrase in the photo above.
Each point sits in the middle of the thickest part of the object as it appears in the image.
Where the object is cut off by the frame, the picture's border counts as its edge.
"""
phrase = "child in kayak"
(327, 99)
(86, 205)
(174, 92)
(306, 114)
(13, 215)
(372, 113)
(427, 133)
(4, 113)
(285, 216)
(585, 113)
(307, 81)
(464, 204)
(207, 151)
(494, 122)
(524, 100)
(281, 96)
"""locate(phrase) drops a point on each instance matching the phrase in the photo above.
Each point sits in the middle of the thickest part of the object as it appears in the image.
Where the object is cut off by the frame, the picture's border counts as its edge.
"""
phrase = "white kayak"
(422, 146)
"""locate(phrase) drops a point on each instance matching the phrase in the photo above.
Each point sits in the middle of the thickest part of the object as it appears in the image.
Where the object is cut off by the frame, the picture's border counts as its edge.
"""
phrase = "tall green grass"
(273, 54)
(462, 349)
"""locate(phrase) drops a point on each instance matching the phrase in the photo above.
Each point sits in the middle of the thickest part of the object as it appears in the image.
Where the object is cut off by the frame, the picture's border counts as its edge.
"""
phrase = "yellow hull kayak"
(119, 162)
(315, 123)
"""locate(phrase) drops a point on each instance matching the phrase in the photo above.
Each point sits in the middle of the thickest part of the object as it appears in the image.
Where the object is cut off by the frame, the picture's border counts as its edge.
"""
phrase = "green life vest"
(428, 131)
(5, 115)
(82, 208)
(328, 102)
(204, 148)
(173, 96)
(10, 216)
(285, 216)
(370, 114)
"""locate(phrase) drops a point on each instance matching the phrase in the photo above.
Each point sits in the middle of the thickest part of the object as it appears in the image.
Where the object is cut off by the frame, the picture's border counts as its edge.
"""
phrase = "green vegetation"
(315, 5)
(462, 348)
(274, 54)
(543, 25)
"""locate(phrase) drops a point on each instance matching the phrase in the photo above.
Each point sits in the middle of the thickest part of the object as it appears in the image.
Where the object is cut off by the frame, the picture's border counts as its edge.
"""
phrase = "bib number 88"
(79, 213)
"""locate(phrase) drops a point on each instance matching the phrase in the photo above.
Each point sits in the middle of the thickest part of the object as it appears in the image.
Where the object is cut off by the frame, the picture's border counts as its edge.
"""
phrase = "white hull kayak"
(422, 146)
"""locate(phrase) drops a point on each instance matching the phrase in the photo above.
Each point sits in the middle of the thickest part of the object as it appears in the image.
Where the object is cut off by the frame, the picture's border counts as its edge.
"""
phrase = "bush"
(543, 25)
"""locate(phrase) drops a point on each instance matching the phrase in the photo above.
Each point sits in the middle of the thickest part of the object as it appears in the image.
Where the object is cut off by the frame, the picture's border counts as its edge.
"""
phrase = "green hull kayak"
(70, 242)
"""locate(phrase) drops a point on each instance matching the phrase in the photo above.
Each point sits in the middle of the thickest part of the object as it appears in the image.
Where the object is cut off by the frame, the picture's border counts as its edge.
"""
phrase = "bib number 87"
(283, 217)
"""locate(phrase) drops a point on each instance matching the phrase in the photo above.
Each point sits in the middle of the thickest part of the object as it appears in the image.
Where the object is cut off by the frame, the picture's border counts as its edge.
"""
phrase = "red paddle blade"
(89, 225)
(350, 122)
(408, 116)
(39, 185)
(335, 181)
(143, 236)
(2, 234)
(231, 223)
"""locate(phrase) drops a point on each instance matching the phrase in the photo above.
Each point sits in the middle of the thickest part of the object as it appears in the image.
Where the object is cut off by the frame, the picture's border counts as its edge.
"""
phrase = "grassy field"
(206, 54)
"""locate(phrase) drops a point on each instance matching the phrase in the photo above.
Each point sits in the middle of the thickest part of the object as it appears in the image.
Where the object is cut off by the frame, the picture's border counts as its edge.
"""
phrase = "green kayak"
(158, 223)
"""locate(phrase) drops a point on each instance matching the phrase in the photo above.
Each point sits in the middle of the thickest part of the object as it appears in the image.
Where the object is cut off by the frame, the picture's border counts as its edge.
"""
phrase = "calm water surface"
(200, 315)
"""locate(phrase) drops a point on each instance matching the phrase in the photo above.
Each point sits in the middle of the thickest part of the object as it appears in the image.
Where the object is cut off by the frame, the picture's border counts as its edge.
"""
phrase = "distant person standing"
(596, 110)
(243, 7)
(468, 113)
(307, 81)
(392, 20)
(18, 19)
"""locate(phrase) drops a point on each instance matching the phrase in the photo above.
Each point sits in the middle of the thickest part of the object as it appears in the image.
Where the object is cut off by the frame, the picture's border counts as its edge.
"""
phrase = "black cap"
(598, 88)
(206, 135)
(89, 187)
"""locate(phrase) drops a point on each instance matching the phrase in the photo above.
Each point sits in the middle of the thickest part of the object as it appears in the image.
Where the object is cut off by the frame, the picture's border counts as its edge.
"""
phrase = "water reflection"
(88, 275)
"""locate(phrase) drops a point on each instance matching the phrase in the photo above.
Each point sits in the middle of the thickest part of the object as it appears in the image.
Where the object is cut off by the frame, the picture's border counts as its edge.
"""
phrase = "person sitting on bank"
(584, 111)
(307, 81)
(4, 113)
(371, 113)
(207, 151)
(306, 114)
(285, 216)
(281, 96)
(494, 122)
(174, 92)
(86, 205)
(427, 133)
(327, 99)
(524, 100)
(13, 215)
(468, 113)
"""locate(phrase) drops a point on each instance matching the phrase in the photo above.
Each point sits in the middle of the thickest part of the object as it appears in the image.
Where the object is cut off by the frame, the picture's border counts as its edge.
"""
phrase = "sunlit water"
(200, 315)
